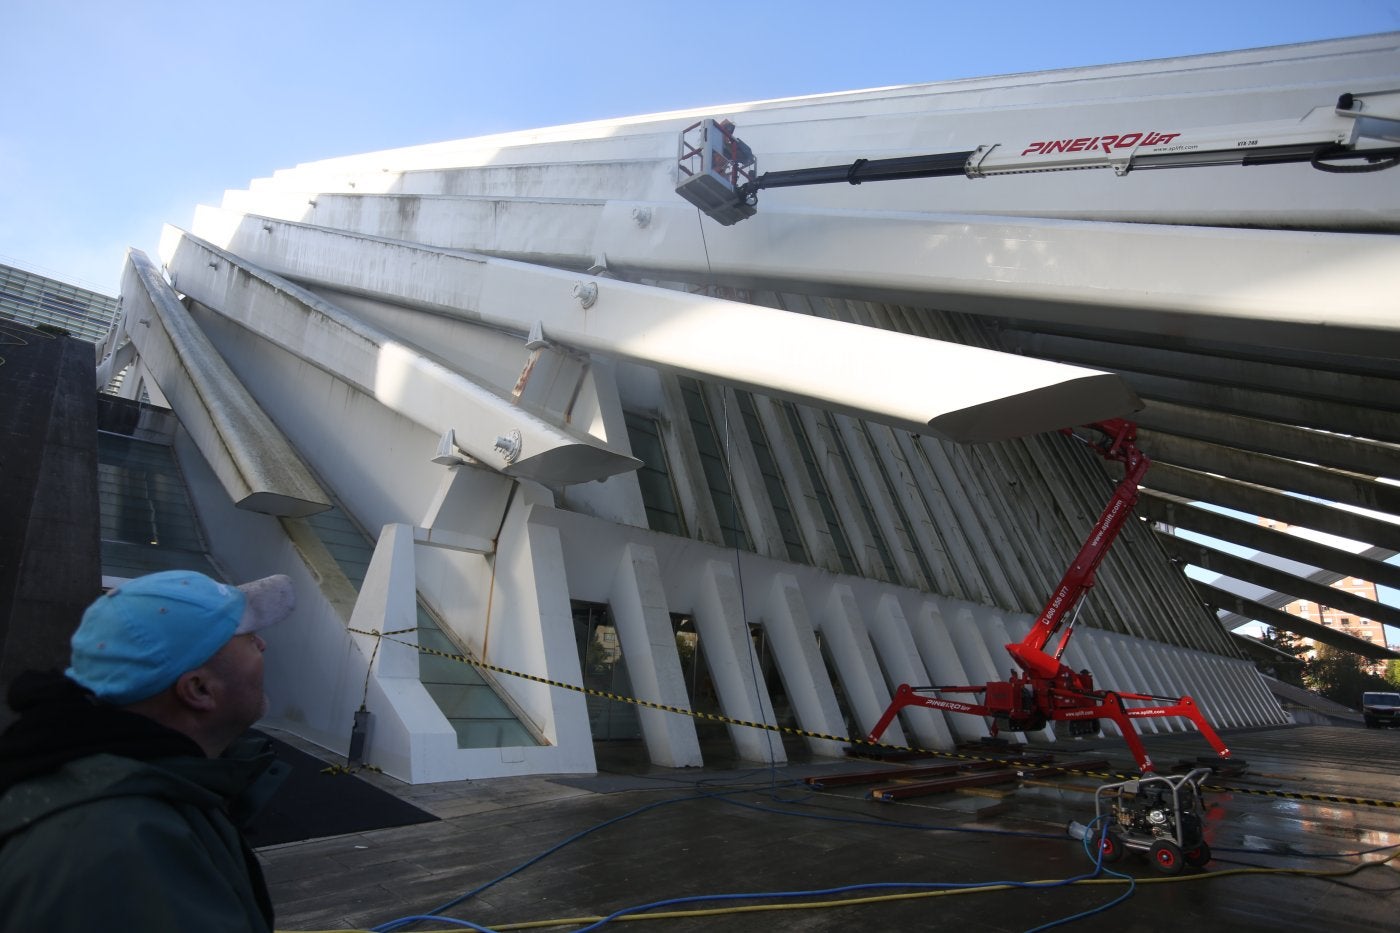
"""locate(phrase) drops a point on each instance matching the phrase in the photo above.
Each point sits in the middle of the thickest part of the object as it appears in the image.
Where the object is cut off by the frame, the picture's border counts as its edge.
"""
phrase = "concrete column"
(531, 595)
(890, 631)
(409, 736)
(940, 658)
(843, 629)
(788, 626)
(389, 603)
(643, 622)
(728, 651)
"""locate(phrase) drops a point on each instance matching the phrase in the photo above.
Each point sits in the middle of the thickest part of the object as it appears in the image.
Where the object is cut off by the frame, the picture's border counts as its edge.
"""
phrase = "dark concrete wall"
(50, 549)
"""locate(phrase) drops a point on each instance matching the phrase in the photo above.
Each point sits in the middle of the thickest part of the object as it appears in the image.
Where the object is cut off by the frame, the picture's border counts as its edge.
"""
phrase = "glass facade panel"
(654, 476)
(475, 711)
(37, 300)
(712, 459)
(821, 490)
(772, 480)
(881, 545)
(146, 519)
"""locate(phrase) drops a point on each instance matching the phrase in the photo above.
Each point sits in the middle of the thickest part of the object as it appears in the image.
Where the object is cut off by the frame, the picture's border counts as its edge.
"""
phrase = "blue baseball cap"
(140, 636)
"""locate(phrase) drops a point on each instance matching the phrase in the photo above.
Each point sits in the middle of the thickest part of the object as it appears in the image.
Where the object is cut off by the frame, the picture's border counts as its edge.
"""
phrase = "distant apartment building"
(40, 301)
(1340, 619)
(1365, 629)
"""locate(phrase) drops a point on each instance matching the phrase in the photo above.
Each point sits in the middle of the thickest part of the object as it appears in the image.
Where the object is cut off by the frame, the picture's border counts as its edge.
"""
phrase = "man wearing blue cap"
(123, 780)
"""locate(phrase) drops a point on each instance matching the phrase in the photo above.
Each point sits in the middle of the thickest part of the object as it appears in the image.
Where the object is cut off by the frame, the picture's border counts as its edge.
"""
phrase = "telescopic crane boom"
(718, 173)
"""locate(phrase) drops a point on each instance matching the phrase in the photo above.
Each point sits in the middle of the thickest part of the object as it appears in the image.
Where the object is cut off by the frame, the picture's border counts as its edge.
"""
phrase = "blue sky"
(118, 117)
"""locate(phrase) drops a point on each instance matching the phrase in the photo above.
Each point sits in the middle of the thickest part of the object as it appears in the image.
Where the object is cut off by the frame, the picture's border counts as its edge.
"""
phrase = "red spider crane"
(1046, 689)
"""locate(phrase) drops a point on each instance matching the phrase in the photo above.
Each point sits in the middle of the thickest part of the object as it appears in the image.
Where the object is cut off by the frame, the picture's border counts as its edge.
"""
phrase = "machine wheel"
(1112, 848)
(1198, 855)
(1167, 857)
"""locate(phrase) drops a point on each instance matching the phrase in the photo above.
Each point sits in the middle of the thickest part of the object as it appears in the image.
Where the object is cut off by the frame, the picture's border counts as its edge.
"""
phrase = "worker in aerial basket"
(122, 778)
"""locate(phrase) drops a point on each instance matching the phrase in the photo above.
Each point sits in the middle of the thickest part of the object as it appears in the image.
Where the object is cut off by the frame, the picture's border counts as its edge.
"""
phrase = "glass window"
(897, 500)
(772, 480)
(713, 458)
(654, 476)
(881, 546)
(822, 492)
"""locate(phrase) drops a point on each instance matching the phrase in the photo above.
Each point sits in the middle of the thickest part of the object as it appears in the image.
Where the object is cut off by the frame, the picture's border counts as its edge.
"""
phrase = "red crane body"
(1045, 689)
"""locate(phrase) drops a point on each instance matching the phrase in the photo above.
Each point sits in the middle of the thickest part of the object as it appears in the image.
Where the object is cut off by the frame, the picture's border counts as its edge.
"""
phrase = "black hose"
(1378, 160)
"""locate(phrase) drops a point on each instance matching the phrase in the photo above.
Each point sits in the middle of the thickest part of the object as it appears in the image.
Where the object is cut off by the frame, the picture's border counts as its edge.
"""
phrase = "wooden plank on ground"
(890, 774)
(942, 785)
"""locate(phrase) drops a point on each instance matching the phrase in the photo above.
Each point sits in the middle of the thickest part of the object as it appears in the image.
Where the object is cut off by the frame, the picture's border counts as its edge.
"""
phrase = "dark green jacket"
(106, 841)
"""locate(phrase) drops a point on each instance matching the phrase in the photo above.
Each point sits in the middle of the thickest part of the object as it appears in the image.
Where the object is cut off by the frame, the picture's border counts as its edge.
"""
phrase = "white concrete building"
(581, 427)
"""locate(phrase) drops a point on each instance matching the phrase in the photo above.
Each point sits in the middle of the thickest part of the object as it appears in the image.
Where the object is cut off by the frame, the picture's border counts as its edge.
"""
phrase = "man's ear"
(192, 689)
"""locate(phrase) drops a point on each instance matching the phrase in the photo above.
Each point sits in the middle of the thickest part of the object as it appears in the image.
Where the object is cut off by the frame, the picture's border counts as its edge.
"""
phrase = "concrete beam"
(957, 392)
(1259, 500)
(1358, 419)
(256, 465)
(1277, 472)
(1239, 568)
(1256, 611)
(404, 378)
(1254, 287)
(1288, 374)
(1354, 455)
(1181, 513)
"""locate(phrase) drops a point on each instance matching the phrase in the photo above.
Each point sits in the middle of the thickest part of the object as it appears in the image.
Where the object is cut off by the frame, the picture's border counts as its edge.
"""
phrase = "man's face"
(237, 670)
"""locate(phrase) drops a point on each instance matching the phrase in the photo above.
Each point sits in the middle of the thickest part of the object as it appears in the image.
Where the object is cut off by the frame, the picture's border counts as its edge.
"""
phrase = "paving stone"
(774, 837)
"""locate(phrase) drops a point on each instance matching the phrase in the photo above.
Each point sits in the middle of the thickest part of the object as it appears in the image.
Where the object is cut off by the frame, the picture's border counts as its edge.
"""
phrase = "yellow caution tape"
(803, 733)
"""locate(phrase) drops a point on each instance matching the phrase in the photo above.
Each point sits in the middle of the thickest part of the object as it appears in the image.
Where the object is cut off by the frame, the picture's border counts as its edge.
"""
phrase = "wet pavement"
(993, 857)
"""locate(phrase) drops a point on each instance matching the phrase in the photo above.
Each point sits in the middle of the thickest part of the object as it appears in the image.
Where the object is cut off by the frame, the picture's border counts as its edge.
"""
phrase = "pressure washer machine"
(1159, 815)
